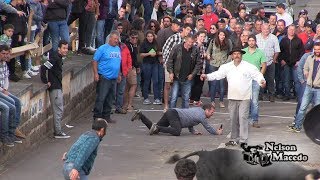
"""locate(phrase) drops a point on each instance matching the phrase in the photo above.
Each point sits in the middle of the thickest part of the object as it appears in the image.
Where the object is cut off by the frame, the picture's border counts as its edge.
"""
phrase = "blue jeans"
(58, 30)
(309, 94)
(151, 71)
(67, 167)
(100, 32)
(147, 5)
(161, 80)
(119, 92)
(185, 90)
(290, 73)
(14, 105)
(214, 85)
(302, 87)
(104, 98)
(6, 118)
(254, 103)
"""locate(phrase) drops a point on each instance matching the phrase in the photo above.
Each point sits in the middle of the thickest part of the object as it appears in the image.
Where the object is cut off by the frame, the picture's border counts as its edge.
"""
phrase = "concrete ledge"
(36, 116)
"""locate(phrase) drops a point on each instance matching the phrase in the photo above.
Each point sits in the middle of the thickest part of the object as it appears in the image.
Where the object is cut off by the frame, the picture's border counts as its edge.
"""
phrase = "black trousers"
(196, 89)
(23, 61)
(169, 122)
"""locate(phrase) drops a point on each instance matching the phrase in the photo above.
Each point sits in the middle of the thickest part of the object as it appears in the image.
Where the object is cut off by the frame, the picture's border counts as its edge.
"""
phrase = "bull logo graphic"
(254, 155)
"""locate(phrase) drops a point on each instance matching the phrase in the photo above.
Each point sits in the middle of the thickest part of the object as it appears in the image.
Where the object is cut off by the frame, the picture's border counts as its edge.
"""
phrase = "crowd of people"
(167, 48)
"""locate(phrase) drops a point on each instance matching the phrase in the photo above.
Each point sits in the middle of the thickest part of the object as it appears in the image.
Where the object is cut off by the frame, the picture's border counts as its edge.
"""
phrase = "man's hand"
(119, 79)
(283, 63)
(74, 174)
(96, 77)
(263, 83)
(190, 77)
(208, 57)
(171, 75)
(203, 77)
(197, 133)
(138, 70)
(219, 131)
(5, 92)
(153, 54)
(64, 156)
(49, 84)
(306, 74)
(21, 13)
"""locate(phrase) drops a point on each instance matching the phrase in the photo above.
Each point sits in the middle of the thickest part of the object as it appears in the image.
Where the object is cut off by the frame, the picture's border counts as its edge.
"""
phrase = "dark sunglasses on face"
(134, 37)
(190, 12)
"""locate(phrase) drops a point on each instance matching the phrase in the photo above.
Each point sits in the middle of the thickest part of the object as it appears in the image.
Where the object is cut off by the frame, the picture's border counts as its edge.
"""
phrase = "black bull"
(225, 164)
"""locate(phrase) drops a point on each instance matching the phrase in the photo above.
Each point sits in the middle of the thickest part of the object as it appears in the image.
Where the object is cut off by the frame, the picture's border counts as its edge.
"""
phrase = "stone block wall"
(36, 117)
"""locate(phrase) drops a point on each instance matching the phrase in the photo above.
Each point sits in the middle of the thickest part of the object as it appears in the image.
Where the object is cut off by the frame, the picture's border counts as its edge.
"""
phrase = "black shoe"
(7, 142)
(136, 115)
(271, 98)
(14, 78)
(15, 139)
(111, 121)
(61, 135)
(154, 129)
(286, 98)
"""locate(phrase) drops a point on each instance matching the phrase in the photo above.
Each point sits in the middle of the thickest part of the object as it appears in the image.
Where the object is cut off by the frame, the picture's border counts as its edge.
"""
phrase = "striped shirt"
(270, 46)
(4, 75)
(170, 43)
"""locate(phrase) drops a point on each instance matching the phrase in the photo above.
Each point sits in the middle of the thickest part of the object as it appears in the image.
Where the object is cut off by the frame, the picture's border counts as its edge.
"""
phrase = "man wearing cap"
(199, 25)
(304, 13)
(222, 24)
(282, 14)
(239, 75)
(209, 17)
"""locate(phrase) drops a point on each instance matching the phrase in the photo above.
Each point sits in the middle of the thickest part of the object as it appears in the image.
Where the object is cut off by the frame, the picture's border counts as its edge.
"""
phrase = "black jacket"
(134, 53)
(19, 22)
(54, 68)
(57, 10)
(291, 50)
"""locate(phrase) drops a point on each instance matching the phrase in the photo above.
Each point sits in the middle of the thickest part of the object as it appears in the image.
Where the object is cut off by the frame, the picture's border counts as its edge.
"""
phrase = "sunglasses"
(213, 28)
(190, 12)
(152, 26)
(134, 37)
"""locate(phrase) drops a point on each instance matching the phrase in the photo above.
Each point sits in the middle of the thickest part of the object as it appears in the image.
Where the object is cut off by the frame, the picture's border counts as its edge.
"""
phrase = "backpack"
(91, 6)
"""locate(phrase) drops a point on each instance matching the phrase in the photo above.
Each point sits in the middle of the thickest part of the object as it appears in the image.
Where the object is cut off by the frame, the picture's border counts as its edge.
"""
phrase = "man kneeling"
(173, 120)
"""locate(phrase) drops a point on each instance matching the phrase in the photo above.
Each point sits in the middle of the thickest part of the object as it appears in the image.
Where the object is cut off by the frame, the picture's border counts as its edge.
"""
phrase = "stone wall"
(37, 120)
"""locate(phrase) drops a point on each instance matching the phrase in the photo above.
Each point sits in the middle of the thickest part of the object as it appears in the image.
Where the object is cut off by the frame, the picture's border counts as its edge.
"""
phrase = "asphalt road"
(128, 152)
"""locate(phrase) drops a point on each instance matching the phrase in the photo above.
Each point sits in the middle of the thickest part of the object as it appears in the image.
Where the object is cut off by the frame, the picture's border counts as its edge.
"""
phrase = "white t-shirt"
(286, 17)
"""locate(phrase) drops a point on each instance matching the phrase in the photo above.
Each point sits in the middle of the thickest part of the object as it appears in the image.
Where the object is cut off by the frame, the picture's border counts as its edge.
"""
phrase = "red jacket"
(209, 20)
(126, 60)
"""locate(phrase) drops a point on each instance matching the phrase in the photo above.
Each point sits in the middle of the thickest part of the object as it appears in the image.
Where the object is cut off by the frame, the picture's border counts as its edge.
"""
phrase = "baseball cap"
(303, 11)
(221, 20)
(200, 18)
(176, 21)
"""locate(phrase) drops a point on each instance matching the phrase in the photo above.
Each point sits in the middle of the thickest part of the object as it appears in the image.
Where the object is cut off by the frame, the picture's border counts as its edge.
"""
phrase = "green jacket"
(175, 60)
(218, 57)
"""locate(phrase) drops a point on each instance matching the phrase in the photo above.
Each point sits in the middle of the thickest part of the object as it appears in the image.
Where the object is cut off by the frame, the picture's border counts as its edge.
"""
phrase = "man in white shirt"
(282, 14)
(239, 75)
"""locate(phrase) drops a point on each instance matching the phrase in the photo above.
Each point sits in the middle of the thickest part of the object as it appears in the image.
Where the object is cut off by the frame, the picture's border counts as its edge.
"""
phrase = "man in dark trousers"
(54, 83)
(173, 120)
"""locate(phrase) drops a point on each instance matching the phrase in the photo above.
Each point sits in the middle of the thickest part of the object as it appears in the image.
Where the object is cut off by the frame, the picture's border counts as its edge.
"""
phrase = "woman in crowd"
(217, 53)
(153, 26)
(150, 64)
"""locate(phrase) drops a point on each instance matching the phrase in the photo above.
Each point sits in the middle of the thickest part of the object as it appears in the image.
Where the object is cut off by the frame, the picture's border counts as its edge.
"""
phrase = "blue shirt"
(84, 151)
(109, 60)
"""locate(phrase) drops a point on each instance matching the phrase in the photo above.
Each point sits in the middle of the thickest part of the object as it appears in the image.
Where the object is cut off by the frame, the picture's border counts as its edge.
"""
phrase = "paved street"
(128, 152)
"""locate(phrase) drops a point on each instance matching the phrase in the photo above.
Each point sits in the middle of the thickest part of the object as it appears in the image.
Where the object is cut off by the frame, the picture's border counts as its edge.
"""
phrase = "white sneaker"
(35, 68)
(26, 76)
(31, 73)
(91, 48)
